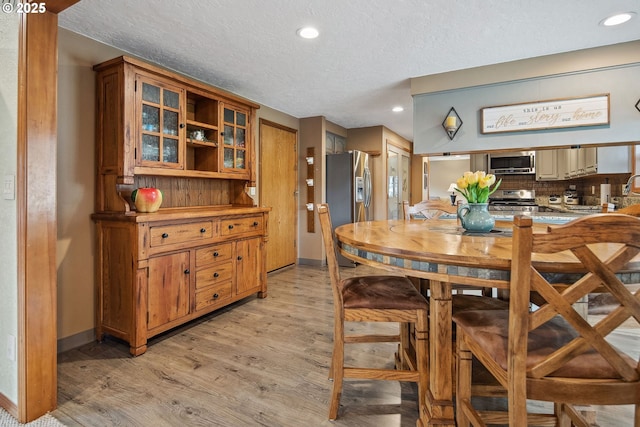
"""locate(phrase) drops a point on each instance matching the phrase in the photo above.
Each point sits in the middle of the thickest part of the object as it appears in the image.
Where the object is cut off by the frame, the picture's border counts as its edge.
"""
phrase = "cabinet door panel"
(249, 265)
(160, 122)
(168, 288)
(235, 137)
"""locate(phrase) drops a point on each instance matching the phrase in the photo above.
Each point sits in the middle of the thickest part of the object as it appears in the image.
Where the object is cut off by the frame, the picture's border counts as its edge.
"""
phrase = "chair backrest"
(329, 243)
(430, 209)
(600, 249)
(633, 210)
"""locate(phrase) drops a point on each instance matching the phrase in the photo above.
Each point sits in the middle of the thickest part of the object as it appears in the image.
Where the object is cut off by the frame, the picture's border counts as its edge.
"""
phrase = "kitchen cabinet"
(205, 248)
(585, 161)
(158, 271)
(550, 165)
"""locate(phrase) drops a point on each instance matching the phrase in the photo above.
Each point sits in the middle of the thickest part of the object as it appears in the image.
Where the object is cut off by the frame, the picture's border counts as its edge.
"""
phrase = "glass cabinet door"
(234, 140)
(160, 124)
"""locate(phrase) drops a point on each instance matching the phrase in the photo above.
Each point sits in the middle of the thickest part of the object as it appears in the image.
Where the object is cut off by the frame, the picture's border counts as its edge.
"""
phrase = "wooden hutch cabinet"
(205, 247)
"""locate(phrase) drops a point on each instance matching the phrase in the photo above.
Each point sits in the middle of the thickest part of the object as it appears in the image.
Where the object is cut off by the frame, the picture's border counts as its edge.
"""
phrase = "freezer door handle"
(367, 187)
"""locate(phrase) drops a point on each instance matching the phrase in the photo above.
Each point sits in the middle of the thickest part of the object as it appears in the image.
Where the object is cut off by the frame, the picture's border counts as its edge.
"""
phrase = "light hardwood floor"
(259, 362)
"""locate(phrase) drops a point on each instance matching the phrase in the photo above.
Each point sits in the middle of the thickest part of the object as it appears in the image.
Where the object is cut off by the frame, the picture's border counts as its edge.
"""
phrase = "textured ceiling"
(360, 65)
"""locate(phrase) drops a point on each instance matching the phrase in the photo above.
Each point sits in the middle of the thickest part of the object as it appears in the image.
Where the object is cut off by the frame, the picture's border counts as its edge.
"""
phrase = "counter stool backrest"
(552, 352)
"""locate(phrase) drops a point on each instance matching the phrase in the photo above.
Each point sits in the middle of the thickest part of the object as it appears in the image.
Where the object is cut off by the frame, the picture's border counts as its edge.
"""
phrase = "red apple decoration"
(147, 199)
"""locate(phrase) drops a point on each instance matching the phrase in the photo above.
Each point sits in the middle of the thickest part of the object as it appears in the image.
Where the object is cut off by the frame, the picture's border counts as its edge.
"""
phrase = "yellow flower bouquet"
(476, 186)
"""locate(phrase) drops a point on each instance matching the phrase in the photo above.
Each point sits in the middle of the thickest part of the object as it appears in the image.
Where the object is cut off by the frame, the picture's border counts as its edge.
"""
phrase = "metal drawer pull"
(239, 258)
(187, 271)
(230, 226)
(216, 254)
(255, 223)
(216, 296)
(215, 274)
(203, 230)
(165, 235)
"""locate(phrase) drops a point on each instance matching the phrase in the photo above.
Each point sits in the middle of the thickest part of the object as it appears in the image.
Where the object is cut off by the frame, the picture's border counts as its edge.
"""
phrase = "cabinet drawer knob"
(230, 226)
(255, 223)
(216, 274)
(187, 271)
(216, 296)
(239, 258)
(181, 125)
(203, 230)
(165, 235)
(215, 254)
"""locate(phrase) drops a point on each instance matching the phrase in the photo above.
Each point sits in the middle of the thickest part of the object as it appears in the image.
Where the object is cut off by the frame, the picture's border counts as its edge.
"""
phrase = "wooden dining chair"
(377, 298)
(552, 353)
(428, 209)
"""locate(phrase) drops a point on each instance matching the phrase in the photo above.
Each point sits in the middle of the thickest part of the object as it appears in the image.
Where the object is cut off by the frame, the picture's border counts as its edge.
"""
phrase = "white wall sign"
(552, 114)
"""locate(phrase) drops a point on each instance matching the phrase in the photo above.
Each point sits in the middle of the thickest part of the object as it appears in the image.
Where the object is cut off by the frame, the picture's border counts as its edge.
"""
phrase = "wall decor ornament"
(549, 114)
(452, 123)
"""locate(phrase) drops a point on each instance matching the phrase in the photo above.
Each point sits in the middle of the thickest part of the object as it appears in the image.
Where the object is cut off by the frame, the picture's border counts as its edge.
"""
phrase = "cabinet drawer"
(180, 233)
(238, 226)
(213, 295)
(213, 275)
(213, 254)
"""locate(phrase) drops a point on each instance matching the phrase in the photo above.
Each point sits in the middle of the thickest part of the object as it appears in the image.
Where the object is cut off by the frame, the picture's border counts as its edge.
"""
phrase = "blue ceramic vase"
(475, 217)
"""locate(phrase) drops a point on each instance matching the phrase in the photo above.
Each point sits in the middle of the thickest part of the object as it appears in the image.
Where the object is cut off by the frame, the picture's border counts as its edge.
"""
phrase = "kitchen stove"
(514, 201)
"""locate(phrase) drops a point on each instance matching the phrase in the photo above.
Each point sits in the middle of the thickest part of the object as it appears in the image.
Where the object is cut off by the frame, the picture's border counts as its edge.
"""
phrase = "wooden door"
(278, 190)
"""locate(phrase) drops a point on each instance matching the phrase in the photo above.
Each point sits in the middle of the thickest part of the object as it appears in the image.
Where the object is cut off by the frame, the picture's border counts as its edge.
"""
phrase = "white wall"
(9, 27)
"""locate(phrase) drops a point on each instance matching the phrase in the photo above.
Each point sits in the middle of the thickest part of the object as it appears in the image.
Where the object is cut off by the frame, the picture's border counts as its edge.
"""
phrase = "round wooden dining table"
(441, 251)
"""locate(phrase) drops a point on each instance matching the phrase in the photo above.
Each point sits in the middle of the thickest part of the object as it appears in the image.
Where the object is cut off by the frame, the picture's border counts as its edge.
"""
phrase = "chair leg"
(337, 370)
(332, 367)
(463, 379)
(422, 363)
(403, 347)
(563, 418)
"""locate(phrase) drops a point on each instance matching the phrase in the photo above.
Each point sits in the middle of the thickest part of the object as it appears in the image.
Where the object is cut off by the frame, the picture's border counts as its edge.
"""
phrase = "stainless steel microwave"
(512, 163)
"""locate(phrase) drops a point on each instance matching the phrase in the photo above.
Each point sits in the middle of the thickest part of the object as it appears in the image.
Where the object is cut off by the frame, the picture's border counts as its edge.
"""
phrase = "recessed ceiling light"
(617, 19)
(308, 33)
(397, 109)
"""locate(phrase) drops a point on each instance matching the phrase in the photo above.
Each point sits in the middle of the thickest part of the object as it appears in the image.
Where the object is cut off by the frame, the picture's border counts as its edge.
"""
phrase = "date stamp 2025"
(13, 6)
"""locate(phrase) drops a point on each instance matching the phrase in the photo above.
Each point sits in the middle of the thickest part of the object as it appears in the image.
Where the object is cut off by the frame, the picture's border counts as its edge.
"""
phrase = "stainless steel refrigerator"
(349, 190)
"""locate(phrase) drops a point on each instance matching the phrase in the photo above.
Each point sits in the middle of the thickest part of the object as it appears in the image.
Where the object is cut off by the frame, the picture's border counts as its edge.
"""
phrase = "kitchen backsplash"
(588, 188)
